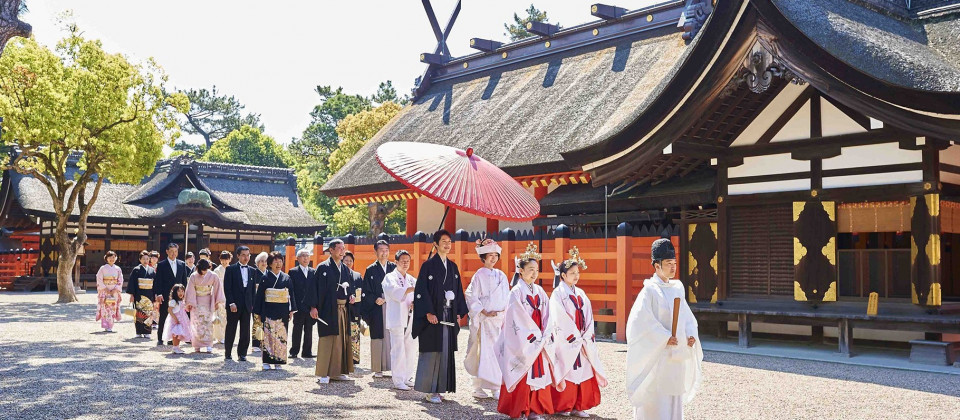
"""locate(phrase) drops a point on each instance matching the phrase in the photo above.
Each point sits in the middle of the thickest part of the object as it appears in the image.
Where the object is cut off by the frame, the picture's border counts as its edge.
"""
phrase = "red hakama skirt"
(522, 401)
(580, 397)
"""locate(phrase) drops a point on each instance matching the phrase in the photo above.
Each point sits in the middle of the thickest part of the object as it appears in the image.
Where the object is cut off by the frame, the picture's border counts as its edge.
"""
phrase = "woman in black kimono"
(140, 289)
(437, 308)
(275, 304)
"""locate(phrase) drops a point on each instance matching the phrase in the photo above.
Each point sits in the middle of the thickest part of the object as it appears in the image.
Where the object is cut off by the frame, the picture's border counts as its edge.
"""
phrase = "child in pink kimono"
(177, 327)
(109, 287)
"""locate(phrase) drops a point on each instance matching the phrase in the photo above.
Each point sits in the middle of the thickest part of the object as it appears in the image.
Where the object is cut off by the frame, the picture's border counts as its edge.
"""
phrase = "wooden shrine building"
(195, 204)
(807, 150)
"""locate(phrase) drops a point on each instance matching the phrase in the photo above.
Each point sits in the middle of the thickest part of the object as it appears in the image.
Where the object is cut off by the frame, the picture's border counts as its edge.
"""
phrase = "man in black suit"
(170, 271)
(304, 279)
(239, 282)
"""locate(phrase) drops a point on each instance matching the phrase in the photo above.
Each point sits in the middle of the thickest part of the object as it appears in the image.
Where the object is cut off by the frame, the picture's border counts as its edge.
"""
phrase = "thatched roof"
(915, 53)
(245, 197)
(521, 117)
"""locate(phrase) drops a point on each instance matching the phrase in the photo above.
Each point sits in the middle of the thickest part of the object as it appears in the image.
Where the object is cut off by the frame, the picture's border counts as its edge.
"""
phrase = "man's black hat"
(662, 249)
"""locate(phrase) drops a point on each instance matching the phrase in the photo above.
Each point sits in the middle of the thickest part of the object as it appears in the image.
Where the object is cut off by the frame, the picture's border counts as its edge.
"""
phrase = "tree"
(183, 148)
(387, 93)
(518, 29)
(10, 23)
(80, 100)
(319, 139)
(248, 146)
(213, 116)
(354, 132)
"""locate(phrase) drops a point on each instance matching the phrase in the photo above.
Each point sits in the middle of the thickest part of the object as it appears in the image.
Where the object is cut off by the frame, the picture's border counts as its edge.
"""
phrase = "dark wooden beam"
(844, 195)
(786, 116)
(607, 12)
(879, 136)
(816, 154)
(816, 174)
(542, 29)
(704, 151)
(816, 116)
(484, 44)
(432, 58)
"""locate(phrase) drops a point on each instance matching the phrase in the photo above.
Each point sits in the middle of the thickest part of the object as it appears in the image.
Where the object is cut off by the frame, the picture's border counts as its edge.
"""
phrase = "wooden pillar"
(236, 243)
(745, 330)
(624, 277)
(925, 249)
(845, 338)
(722, 329)
(411, 216)
(290, 257)
(816, 334)
(108, 238)
(420, 249)
(493, 225)
(450, 223)
(508, 249)
(318, 256)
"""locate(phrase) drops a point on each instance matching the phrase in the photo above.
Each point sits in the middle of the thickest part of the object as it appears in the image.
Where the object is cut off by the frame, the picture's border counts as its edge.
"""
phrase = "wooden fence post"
(290, 257)
(508, 248)
(562, 241)
(420, 247)
(624, 277)
(317, 250)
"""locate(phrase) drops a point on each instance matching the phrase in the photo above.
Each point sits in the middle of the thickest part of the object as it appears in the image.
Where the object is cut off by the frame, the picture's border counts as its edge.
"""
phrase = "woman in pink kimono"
(109, 287)
(204, 294)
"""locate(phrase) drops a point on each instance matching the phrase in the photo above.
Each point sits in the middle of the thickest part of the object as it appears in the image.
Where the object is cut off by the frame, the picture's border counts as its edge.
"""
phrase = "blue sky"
(272, 58)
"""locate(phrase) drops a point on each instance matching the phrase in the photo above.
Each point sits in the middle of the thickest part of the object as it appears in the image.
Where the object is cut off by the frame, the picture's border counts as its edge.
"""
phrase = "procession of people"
(535, 353)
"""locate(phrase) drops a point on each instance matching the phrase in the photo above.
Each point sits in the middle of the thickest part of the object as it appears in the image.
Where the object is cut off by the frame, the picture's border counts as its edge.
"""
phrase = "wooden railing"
(617, 265)
(15, 263)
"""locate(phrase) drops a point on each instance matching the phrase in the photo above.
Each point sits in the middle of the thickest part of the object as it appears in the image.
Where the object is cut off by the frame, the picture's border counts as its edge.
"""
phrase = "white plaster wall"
(835, 122)
(872, 155)
(797, 128)
(762, 122)
(768, 187)
(768, 165)
(872, 179)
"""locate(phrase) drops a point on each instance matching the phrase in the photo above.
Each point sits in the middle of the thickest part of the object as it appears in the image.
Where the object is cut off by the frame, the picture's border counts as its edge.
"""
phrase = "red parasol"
(458, 179)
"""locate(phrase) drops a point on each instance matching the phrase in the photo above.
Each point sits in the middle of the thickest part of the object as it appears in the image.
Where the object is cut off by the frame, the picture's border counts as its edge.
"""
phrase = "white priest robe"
(489, 290)
(660, 378)
(521, 340)
(574, 343)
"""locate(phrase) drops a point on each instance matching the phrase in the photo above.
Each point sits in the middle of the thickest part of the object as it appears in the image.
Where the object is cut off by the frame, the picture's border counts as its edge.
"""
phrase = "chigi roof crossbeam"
(616, 22)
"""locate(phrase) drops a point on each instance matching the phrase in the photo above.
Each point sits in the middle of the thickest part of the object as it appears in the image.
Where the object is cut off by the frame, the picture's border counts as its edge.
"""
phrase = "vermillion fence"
(617, 264)
(19, 262)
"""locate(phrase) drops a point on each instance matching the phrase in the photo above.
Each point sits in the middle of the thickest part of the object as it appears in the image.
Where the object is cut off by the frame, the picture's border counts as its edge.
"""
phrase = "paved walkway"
(55, 362)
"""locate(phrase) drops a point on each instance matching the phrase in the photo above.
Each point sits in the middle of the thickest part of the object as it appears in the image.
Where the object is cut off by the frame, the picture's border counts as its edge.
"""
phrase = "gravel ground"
(57, 363)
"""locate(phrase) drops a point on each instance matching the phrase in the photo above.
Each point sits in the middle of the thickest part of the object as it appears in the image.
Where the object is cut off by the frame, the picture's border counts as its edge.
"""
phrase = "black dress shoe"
(169, 343)
(159, 342)
(308, 356)
(293, 356)
(228, 357)
(242, 358)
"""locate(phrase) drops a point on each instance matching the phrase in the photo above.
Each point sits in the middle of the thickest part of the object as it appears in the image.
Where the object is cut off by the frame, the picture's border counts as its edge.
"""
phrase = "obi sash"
(110, 280)
(203, 290)
(277, 295)
(110, 300)
(143, 283)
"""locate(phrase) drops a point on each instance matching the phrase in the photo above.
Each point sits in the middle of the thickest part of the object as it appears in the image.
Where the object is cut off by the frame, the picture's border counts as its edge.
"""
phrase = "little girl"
(177, 328)
(109, 287)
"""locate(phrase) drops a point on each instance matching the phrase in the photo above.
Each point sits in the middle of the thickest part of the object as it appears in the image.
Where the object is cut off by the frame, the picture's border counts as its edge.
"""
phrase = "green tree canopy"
(248, 146)
(213, 116)
(82, 100)
(518, 29)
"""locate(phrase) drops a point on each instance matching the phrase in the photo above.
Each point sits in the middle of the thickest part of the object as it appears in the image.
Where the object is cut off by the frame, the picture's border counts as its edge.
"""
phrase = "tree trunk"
(378, 217)
(66, 262)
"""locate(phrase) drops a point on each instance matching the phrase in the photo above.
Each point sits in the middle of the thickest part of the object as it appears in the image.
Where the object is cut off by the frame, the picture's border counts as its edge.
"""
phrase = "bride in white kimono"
(487, 297)
(663, 371)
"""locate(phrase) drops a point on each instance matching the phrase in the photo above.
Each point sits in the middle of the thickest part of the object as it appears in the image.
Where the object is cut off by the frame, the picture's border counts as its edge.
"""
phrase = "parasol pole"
(442, 219)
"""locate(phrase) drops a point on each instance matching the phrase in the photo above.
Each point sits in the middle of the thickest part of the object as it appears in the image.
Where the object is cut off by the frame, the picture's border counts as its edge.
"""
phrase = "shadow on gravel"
(937, 383)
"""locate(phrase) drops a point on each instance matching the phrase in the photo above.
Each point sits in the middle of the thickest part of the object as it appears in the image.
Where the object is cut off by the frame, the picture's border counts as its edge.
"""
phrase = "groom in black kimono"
(437, 308)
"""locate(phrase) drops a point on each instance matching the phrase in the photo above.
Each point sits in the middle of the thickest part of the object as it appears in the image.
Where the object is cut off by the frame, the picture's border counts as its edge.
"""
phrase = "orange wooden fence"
(19, 262)
(617, 265)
